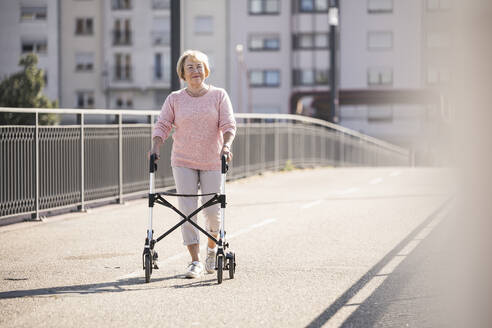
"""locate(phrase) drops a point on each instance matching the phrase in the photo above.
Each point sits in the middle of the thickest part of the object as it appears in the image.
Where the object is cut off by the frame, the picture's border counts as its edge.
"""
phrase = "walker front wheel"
(231, 263)
(148, 267)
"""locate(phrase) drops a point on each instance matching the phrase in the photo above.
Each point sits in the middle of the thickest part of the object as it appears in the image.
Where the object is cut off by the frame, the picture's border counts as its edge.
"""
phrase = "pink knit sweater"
(199, 124)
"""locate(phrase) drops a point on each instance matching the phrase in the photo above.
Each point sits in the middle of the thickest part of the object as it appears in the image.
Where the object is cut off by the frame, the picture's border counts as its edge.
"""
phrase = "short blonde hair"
(196, 55)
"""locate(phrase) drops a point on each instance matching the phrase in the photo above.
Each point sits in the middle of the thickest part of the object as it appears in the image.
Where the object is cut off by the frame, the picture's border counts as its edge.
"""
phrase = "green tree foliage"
(24, 89)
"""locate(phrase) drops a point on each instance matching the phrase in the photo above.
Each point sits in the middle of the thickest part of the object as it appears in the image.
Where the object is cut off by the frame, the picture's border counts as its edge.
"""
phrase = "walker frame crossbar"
(216, 199)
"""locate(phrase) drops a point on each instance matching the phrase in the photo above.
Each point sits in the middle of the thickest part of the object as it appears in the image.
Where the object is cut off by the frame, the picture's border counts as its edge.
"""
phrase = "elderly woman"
(204, 130)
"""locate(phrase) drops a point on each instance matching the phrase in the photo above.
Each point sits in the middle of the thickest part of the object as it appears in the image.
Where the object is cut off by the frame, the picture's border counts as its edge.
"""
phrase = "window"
(35, 46)
(264, 7)
(204, 25)
(264, 78)
(84, 26)
(33, 13)
(311, 41)
(123, 67)
(85, 99)
(438, 40)
(264, 43)
(312, 6)
(122, 34)
(438, 5)
(84, 61)
(161, 33)
(311, 76)
(379, 76)
(380, 6)
(161, 4)
(45, 77)
(380, 40)
(124, 102)
(121, 4)
(380, 113)
(438, 75)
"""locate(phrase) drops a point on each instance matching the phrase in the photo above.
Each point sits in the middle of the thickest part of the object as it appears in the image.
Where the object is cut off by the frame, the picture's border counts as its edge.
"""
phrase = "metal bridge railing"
(50, 167)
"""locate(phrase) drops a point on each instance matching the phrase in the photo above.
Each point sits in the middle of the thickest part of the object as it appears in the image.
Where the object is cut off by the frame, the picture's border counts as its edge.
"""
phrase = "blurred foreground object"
(472, 106)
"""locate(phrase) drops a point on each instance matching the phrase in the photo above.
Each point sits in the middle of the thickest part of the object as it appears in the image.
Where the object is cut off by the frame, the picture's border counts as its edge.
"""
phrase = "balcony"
(161, 38)
(123, 73)
(122, 38)
(121, 5)
(310, 77)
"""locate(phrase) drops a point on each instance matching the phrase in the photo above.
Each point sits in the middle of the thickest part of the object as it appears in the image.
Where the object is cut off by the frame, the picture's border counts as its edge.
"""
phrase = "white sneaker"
(210, 261)
(195, 270)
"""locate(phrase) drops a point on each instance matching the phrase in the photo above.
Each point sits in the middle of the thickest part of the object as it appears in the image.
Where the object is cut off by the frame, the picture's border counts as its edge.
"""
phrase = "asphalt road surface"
(316, 247)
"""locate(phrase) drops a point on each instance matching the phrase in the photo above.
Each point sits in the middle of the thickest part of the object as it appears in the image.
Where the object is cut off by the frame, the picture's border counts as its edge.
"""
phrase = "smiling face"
(194, 71)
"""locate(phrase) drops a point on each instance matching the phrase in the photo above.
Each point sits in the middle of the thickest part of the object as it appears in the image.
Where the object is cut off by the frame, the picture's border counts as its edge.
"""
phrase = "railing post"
(289, 141)
(342, 149)
(247, 150)
(36, 145)
(120, 157)
(151, 129)
(277, 144)
(312, 155)
(263, 145)
(322, 133)
(82, 163)
(361, 154)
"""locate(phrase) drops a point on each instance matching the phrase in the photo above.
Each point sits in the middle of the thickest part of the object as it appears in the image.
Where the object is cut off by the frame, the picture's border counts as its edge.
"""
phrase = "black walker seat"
(224, 260)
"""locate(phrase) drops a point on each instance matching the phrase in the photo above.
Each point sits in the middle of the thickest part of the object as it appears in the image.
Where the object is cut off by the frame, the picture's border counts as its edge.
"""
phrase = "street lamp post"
(333, 16)
(175, 41)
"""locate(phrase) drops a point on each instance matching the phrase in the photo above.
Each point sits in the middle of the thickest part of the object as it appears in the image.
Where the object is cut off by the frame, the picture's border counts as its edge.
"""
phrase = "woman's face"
(194, 71)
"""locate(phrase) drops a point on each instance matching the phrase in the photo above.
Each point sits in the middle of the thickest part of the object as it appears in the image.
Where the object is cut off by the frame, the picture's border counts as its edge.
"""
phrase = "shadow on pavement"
(342, 301)
(107, 287)
(198, 283)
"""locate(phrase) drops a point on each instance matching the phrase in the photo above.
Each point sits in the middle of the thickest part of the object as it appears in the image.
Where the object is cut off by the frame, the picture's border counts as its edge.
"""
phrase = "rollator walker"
(225, 260)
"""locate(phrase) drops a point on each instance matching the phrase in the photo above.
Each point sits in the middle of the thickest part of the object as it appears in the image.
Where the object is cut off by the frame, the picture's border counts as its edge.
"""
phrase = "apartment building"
(31, 26)
(381, 50)
(392, 45)
(205, 27)
(136, 50)
(260, 55)
(82, 80)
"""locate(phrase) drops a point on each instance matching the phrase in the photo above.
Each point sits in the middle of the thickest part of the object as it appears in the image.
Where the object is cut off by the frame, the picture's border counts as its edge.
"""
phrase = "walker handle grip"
(153, 165)
(225, 167)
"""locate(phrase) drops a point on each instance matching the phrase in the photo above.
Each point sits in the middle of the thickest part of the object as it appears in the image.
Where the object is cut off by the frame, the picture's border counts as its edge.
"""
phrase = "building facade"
(136, 50)
(205, 27)
(381, 49)
(81, 55)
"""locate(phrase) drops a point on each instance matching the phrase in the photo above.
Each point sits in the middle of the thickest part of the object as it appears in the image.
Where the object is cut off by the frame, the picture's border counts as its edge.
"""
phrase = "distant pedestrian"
(204, 124)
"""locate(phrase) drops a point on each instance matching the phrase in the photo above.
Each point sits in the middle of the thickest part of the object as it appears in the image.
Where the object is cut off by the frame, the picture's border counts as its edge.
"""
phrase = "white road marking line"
(308, 205)
(395, 173)
(347, 191)
(376, 181)
(139, 273)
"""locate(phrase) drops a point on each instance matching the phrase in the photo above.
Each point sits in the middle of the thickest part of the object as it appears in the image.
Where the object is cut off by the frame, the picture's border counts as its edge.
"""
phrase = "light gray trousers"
(187, 181)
